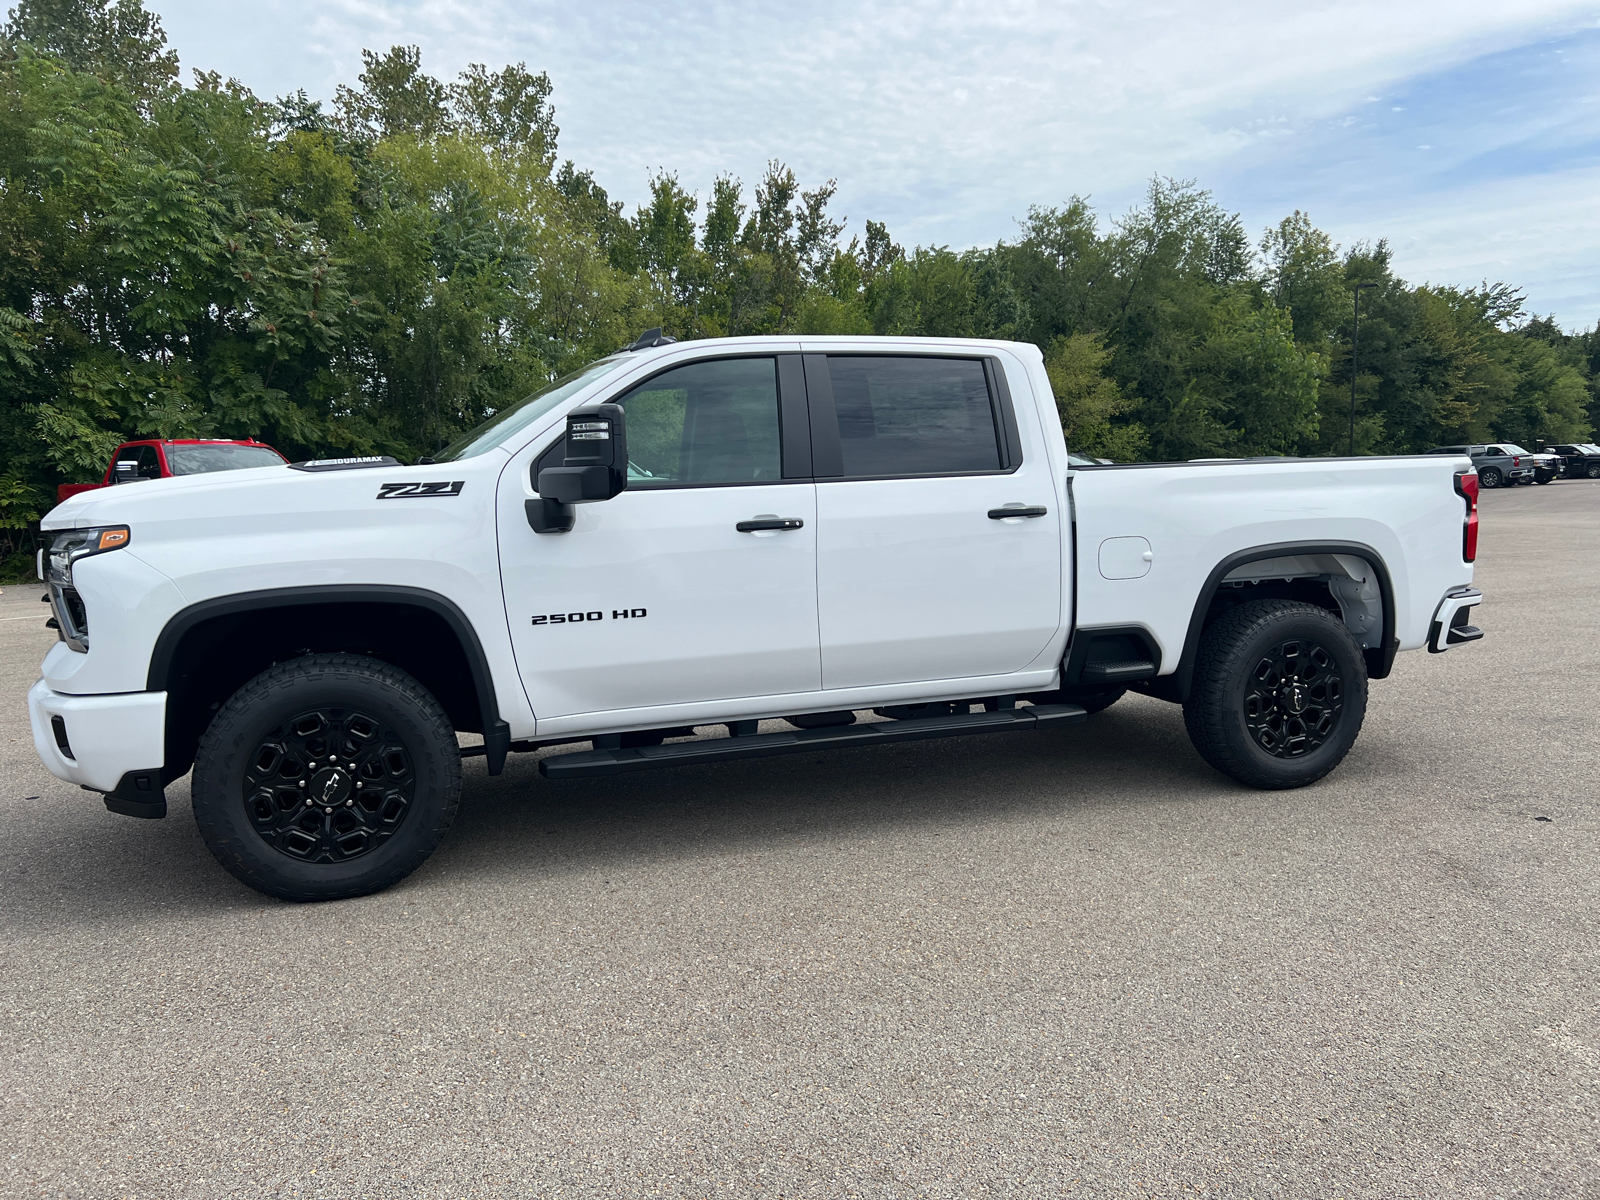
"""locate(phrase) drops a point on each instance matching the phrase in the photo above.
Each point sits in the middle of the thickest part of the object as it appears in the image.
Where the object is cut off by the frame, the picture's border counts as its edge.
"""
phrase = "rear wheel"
(1279, 693)
(1594, 471)
(326, 777)
(1489, 477)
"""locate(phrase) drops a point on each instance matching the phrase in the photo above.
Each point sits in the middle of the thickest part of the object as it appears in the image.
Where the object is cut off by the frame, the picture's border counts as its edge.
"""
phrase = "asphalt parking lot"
(1077, 963)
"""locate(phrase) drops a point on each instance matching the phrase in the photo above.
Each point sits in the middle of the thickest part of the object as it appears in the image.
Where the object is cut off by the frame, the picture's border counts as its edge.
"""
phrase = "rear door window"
(913, 416)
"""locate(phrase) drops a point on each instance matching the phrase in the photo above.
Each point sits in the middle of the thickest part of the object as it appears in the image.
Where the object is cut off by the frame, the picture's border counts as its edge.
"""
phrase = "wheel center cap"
(1294, 699)
(328, 786)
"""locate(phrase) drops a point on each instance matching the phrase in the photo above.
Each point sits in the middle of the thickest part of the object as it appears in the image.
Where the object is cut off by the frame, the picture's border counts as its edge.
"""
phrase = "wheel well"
(1289, 571)
(213, 656)
(1230, 595)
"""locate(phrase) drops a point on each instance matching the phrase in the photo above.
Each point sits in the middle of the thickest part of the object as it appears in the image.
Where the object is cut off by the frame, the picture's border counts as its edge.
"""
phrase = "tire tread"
(1208, 710)
(212, 760)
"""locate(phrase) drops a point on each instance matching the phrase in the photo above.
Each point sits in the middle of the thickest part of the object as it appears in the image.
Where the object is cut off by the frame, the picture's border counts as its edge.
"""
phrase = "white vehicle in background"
(715, 533)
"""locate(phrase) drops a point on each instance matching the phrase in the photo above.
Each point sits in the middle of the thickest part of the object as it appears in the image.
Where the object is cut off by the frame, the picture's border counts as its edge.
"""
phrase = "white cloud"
(1539, 228)
(945, 120)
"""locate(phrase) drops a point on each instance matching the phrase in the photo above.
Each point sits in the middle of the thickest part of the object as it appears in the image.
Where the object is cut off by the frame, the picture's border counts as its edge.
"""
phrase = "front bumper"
(97, 740)
(1449, 627)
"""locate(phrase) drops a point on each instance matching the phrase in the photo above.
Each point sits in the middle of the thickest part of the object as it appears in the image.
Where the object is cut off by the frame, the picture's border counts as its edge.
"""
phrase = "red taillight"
(1516, 461)
(1467, 489)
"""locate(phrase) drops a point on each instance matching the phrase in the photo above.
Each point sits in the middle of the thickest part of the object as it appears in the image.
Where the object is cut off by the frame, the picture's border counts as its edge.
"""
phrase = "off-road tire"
(1489, 477)
(1232, 649)
(407, 712)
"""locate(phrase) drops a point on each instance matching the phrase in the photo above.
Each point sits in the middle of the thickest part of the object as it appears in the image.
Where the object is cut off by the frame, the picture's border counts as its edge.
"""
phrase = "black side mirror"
(595, 468)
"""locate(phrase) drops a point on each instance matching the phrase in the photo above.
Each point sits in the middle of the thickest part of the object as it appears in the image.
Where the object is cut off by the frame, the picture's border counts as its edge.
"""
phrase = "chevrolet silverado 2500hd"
(710, 534)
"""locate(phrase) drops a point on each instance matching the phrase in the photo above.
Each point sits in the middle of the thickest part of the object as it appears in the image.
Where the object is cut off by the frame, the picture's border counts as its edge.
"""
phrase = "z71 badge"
(397, 491)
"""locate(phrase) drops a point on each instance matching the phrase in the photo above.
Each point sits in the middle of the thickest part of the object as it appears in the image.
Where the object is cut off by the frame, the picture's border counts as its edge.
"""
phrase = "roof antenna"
(650, 338)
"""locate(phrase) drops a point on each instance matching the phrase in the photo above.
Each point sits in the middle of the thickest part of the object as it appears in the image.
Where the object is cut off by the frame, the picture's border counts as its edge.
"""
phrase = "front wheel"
(1279, 694)
(1545, 478)
(326, 777)
(1489, 477)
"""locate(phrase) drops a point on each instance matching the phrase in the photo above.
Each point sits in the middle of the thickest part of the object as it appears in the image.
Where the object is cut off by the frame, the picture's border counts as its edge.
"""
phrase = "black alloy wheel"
(1489, 477)
(1294, 697)
(326, 777)
(329, 785)
(1278, 695)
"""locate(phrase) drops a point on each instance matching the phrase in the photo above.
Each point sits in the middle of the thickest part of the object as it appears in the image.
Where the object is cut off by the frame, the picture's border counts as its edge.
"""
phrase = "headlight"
(70, 545)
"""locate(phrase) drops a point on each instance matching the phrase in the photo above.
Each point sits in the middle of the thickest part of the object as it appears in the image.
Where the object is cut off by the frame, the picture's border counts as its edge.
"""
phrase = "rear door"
(920, 574)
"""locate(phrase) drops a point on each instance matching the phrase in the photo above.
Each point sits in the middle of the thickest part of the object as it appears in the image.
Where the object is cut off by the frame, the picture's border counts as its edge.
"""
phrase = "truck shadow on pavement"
(519, 822)
(71, 861)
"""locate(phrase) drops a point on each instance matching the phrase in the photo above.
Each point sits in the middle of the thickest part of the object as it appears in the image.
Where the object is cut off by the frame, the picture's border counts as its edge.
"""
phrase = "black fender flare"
(1380, 658)
(496, 733)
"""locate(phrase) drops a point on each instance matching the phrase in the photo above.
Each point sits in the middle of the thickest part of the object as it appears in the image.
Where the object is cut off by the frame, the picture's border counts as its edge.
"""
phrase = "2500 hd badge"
(573, 618)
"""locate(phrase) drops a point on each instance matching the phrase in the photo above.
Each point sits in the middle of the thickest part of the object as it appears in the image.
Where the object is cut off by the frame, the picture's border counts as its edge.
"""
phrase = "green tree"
(1088, 399)
(120, 42)
(195, 260)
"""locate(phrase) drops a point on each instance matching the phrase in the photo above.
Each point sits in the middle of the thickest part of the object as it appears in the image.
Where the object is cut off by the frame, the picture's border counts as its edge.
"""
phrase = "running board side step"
(589, 764)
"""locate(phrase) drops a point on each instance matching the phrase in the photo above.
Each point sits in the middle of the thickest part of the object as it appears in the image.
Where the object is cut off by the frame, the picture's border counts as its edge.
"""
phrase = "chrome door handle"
(1017, 510)
(761, 523)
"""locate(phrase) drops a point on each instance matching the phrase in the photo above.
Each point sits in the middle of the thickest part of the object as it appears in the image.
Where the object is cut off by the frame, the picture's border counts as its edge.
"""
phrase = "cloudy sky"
(1466, 132)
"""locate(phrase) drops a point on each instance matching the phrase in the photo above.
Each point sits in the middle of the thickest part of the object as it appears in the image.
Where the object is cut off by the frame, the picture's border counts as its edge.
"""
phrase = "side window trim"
(1000, 393)
(827, 454)
(794, 422)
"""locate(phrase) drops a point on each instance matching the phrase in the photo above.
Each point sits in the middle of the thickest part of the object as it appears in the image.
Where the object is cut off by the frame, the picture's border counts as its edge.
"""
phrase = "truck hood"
(256, 492)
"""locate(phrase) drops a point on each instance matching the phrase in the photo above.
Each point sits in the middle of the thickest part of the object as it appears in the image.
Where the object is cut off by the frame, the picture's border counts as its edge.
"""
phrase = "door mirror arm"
(548, 516)
(595, 468)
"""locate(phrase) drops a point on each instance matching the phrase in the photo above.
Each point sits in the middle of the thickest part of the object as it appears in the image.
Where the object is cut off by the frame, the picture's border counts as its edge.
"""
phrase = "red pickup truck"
(166, 457)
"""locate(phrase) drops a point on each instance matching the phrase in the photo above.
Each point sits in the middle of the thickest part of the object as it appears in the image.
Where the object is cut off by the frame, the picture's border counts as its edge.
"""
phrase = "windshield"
(514, 419)
(219, 456)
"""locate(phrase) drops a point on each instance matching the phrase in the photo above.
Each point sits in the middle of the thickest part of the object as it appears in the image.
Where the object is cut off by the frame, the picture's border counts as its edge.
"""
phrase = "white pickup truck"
(713, 534)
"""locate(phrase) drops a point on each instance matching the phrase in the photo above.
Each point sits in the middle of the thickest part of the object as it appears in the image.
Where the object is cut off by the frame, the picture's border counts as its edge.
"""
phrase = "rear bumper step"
(591, 763)
(1449, 627)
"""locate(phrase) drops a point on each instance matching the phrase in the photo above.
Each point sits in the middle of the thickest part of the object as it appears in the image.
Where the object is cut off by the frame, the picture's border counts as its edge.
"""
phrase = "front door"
(657, 597)
(920, 574)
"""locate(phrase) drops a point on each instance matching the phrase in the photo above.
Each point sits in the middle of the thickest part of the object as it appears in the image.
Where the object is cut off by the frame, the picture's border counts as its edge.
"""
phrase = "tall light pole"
(1355, 348)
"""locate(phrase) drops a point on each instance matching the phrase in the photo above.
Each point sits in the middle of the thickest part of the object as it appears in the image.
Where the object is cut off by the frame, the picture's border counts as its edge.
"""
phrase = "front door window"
(705, 423)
